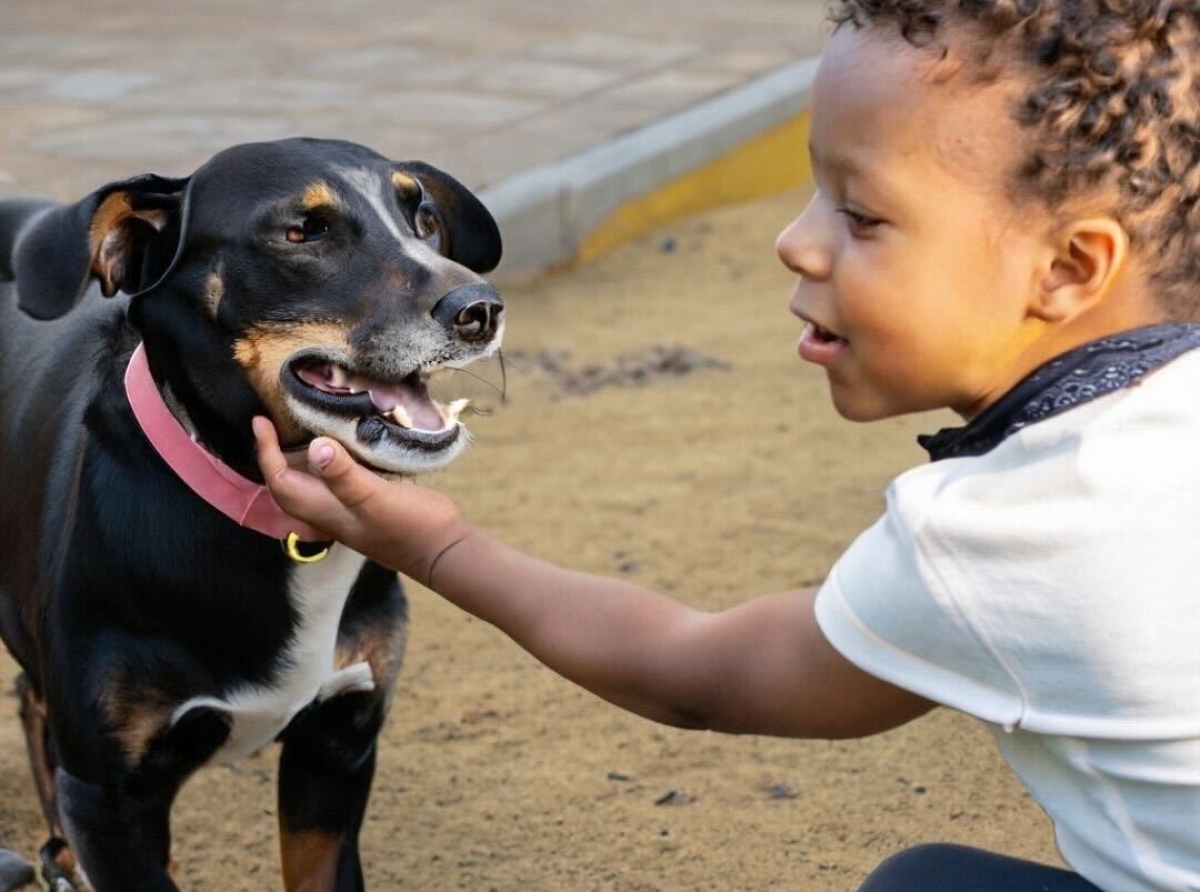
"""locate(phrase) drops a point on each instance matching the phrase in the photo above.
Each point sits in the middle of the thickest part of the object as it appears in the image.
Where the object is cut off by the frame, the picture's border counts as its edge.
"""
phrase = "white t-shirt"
(1051, 588)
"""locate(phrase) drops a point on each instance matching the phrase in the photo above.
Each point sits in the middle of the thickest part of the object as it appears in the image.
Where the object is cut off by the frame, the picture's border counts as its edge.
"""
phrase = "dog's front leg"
(115, 851)
(325, 774)
(119, 828)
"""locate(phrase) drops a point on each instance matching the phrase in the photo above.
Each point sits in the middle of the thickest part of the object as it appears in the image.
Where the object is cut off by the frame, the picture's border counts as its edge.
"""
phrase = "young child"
(1005, 223)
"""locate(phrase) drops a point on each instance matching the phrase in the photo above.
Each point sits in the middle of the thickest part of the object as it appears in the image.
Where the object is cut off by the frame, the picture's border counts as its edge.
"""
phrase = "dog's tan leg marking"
(309, 860)
(59, 866)
(381, 647)
(137, 715)
(37, 744)
(264, 350)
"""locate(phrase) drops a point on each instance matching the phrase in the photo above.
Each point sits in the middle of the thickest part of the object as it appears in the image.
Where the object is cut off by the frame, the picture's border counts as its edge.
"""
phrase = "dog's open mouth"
(406, 405)
(393, 426)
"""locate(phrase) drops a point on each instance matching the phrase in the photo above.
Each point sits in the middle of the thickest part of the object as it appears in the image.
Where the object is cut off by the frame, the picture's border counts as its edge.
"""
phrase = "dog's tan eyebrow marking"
(406, 185)
(318, 194)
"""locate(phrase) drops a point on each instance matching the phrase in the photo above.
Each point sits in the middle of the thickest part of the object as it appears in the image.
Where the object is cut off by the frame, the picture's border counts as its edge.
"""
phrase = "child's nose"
(800, 249)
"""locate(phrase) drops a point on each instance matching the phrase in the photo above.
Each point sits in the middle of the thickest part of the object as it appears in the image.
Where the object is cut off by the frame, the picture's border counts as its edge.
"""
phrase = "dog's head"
(336, 280)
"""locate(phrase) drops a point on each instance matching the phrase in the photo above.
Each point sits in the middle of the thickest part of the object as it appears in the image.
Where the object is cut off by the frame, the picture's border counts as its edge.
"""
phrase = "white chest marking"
(318, 593)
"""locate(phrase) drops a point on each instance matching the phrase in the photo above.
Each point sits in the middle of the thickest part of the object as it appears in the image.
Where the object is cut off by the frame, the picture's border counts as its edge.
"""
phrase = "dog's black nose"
(471, 311)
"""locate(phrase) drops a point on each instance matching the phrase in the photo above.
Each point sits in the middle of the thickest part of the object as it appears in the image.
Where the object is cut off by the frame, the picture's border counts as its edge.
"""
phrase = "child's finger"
(297, 492)
(271, 460)
(349, 481)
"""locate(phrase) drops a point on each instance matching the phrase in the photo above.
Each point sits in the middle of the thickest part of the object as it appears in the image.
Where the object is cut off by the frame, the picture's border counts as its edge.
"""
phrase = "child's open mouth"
(820, 345)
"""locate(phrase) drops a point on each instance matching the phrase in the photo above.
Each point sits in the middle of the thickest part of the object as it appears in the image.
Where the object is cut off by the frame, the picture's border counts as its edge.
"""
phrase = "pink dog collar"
(243, 501)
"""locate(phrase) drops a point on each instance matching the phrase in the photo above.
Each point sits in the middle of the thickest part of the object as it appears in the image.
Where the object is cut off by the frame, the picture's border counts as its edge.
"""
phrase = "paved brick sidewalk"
(486, 88)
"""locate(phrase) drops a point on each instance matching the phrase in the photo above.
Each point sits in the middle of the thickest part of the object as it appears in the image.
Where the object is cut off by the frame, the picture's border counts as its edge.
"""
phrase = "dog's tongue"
(384, 397)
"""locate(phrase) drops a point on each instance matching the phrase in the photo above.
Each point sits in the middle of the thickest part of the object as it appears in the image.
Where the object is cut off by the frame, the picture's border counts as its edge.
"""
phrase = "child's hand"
(394, 522)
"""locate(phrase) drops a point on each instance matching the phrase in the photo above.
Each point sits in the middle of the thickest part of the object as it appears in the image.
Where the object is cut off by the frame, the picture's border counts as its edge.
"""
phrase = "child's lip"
(819, 345)
(814, 324)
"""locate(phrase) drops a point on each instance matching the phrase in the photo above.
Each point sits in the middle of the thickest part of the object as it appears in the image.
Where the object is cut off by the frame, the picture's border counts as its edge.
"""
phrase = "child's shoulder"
(1129, 451)
(1148, 434)
(1149, 423)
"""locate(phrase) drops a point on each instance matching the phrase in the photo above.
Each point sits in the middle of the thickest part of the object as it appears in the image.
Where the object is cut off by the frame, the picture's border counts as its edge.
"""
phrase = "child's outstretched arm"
(762, 667)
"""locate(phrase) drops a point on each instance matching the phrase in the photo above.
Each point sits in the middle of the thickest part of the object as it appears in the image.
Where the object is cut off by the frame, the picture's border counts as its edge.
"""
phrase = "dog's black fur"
(123, 595)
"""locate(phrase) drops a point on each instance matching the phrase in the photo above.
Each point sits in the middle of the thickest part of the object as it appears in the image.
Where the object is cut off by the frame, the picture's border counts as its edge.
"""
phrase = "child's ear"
(1088, 259)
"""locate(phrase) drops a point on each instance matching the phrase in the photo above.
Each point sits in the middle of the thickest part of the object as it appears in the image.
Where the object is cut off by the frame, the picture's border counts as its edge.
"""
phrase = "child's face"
(916, 271)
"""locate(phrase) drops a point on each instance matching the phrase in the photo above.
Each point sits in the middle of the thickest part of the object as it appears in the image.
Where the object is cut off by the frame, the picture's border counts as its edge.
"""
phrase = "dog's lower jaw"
(384, 447)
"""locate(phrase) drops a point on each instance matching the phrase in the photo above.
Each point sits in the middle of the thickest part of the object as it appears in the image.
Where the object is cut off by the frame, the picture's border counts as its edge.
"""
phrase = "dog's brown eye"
(310, 230)
(425, 222)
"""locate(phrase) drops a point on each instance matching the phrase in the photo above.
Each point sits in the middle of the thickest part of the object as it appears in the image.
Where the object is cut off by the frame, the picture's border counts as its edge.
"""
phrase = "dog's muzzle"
(389, 420)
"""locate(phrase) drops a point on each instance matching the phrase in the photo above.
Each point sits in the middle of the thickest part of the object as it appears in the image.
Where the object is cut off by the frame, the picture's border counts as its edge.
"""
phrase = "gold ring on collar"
(292, 547)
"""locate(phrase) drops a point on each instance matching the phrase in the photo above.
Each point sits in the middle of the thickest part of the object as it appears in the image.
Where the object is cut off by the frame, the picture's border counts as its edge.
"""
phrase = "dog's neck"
(176, 407)
(247, 503)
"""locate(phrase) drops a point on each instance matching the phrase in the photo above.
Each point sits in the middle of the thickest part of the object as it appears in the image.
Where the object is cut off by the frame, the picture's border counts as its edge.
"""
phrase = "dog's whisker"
(503, 377)
(500, 389)
(520, 362)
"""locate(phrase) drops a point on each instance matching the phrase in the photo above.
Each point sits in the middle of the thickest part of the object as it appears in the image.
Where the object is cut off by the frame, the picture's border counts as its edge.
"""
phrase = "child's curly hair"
(1112, 109)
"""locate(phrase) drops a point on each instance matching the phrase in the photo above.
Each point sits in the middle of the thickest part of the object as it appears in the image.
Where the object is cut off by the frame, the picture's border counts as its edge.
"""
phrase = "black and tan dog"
(144, 590)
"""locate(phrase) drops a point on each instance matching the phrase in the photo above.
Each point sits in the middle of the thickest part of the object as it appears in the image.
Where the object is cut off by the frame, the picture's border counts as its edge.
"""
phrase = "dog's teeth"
(401, 417)
(454, 409)
(336, 375)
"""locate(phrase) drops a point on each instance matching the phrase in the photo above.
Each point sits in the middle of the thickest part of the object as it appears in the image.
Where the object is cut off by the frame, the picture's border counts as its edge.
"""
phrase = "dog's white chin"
(406, 453)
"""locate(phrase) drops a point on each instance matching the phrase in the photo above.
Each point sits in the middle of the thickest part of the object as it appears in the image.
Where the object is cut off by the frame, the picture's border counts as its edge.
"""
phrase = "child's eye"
(860, 224)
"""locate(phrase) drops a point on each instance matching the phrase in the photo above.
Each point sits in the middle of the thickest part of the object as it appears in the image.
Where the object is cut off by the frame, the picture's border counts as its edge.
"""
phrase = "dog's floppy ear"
(125, 234)
(469, 234)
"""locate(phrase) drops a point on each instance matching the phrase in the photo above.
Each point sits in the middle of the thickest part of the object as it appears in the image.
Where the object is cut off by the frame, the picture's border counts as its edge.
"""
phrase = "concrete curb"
(547, 214)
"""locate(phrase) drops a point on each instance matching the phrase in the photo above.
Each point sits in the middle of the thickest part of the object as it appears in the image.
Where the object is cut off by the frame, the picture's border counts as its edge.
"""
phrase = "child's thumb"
(322, 452)
(349, 481)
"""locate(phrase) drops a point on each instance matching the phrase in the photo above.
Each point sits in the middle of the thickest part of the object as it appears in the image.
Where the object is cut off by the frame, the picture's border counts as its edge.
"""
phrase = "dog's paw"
(60, 872)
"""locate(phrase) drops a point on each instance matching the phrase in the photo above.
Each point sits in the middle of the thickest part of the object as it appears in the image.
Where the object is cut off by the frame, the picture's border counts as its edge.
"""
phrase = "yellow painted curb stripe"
(774, 161)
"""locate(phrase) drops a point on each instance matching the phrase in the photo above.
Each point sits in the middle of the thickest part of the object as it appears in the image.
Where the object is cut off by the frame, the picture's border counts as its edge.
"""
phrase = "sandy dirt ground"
(658, 427)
